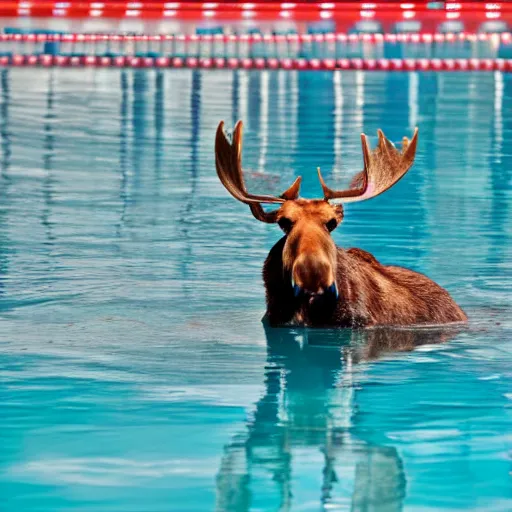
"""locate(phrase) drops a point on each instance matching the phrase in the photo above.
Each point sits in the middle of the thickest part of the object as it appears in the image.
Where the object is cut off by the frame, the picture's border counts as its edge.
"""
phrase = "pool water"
(135, 371)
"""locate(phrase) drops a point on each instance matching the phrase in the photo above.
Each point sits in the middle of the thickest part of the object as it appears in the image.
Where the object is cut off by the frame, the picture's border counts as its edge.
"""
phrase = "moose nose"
(312, 275)
(331, 290)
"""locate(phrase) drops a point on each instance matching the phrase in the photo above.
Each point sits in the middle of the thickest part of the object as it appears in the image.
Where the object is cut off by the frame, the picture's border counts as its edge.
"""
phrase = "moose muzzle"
(313, 275)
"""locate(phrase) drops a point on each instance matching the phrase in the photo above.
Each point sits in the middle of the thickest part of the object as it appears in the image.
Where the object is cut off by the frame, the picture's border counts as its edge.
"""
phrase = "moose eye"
(330, 225)
(285, 224)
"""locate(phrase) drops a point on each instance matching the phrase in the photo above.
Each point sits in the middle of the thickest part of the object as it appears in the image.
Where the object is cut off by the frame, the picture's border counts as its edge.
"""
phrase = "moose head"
(309, 253)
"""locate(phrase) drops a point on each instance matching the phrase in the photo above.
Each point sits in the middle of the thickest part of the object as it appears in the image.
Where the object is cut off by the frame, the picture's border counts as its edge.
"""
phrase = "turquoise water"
(135, 372)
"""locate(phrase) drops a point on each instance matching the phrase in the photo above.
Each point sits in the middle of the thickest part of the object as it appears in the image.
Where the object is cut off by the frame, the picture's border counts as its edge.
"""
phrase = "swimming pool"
(135, 372)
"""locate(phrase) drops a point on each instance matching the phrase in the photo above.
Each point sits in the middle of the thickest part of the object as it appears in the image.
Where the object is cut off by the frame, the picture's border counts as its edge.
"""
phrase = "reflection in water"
(315, 148)
(235, 98)
(371, 344)
(4, 122)
(159, 114)
(123, 148)
(500, 179)
(253, 94)
(191, 196)
(359, 102)
(282, 98)
(293, 103)
(139, 125)
(242, 85)
(195, 116)
(413, 100)
(264, 127)
(49, 137)
(338, 120)
(4, 176)
(403, 123)
(309, 406)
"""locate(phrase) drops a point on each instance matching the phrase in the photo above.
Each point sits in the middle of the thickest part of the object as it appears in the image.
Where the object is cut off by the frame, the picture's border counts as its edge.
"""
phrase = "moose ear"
(340, 213)
(336, 219)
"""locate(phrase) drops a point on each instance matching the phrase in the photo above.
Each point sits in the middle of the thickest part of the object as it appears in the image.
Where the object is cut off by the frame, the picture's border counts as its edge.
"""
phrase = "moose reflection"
(306, 418)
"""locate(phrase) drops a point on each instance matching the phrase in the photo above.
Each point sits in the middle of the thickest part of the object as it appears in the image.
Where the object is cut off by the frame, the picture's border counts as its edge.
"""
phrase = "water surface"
(135, 372)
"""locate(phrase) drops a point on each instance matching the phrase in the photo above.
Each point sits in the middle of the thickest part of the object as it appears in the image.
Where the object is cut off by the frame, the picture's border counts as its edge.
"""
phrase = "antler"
(383, 167)
(228, 161)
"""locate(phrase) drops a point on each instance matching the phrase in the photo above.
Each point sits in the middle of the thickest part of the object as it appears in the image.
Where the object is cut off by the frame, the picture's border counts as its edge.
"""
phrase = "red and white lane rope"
(427, 38)
(504, 65)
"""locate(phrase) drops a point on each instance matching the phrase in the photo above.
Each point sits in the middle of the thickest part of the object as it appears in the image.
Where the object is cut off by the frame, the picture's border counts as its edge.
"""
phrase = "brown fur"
(370, 293)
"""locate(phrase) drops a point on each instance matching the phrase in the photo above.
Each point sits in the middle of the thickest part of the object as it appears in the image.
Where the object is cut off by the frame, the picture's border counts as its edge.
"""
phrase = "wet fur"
(370, 294)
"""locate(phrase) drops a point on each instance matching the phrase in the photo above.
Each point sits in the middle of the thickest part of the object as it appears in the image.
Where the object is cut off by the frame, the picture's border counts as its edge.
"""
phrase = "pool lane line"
(44, 60)
(376, 38)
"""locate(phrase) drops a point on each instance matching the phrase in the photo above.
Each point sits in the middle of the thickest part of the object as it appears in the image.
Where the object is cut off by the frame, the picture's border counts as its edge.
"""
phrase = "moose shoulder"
(308, 279)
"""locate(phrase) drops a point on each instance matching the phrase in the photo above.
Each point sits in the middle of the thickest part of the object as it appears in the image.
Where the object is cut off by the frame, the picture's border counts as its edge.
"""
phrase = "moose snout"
(313, 275)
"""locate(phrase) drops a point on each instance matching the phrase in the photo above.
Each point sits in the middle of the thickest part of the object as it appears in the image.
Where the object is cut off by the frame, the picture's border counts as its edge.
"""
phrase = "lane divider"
(505, 37)
(504, 65)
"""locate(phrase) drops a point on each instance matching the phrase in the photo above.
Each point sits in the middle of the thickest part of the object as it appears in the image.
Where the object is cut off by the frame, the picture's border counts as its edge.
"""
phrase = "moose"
(311, 282)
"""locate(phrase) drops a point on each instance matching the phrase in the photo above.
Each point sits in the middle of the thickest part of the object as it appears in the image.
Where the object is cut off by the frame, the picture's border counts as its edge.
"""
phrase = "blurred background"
(155, 17)
(158, 31)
